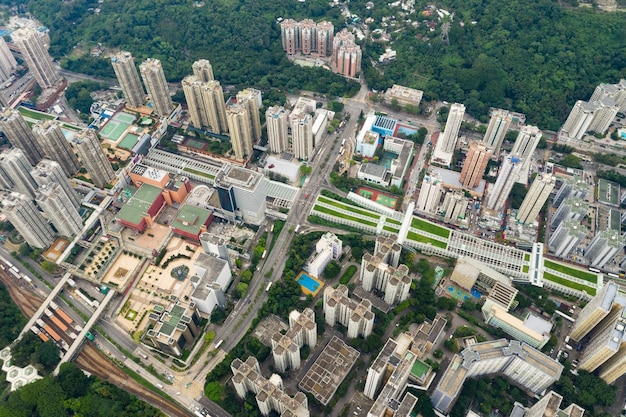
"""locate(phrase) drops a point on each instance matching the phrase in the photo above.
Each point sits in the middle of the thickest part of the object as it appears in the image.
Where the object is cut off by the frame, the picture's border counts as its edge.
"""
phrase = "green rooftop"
(573, 272)
(419, 369)
(173, 319)
(190, 219)
(429, 227)
(137, 206)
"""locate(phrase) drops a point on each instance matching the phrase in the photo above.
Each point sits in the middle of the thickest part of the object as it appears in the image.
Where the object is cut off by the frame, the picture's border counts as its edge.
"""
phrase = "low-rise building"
(140, 210)
(532, 330)
(403, 95)
(375, 173)
(327, 248)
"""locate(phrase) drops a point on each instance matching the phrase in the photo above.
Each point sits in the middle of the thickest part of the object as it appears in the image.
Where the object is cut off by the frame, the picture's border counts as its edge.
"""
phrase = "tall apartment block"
(276, 121)
(382, 272)
(32, 45)
(286, 347)
(548, 406)
(451, 132)
(566, 238)
(302, 135)
(518, 362)
(430, 193)
(346, 58)
(526, 143)
(340, 308)
(27, 220)
(617, 92)
(192, 88)
(536, 197)
(242, 194)
(203, 69)
(604, 115)
(307, 37)
(269, 394)
(7, 61)
(454, 206)
(605, 245)
(571, 208)
(506, 178)
(47, 171)
(496, 130)
(55, 146)
(240, 128)
(59, 210)
(574, 186)
(215, 106)
(595, 115)
(15, 172)
(154, 79)
(475, 164)
(253, 101)
(19, 134)
(126, 73)
(93, 158)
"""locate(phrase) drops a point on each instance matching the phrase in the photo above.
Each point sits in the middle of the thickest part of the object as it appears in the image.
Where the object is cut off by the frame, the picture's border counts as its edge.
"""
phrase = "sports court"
(129, 141)
(377, 196)
(196, 144)
(116, 126)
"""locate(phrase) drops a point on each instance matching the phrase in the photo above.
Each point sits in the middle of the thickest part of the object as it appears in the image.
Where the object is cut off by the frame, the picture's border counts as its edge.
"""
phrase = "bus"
(342, 151)
(264, 254)
(597, 271)
(343, 142)
(613, 275)
(268, 287)
(218, 344)
(297, 228)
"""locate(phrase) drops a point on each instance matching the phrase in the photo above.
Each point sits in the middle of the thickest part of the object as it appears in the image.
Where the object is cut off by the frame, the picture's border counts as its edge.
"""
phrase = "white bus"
(218, 344)
(297, 228)
(268, 287)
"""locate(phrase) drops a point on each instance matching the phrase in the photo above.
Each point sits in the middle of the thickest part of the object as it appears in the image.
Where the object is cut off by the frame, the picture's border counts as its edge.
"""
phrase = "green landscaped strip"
(430, 227)
(346, 207)
(527, 257)
(202, 174)
(423, 239)
(343, 216)
(390, 229)
(569, 284)
(34, 114)
(393, 221)
(525, 268)
(587, 276)
(70, 127)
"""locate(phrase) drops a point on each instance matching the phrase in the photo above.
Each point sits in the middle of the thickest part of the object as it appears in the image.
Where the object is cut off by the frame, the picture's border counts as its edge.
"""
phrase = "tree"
(518, 192)
(571, 161)
(48, 266)
(332, 270)
(47, 354)
(246, 276)
(213, 391)
(241, 289)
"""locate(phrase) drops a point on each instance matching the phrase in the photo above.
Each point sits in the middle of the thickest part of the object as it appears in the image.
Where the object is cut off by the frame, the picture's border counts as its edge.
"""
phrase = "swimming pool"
(309, 283)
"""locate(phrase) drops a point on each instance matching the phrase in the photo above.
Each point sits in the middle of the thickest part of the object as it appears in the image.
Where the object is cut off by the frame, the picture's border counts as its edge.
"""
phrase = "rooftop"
(190, 219)
(232, 176)
(137, 206)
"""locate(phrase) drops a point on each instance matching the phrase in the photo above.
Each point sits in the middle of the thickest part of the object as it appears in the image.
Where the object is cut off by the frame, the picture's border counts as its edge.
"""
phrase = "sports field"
(196, 144)
(374, 195)
(116, 126)
(129, 141)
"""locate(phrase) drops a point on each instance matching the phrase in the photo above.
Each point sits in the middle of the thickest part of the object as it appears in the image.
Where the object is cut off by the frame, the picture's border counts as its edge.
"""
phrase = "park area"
(120, 271)
(377, 196)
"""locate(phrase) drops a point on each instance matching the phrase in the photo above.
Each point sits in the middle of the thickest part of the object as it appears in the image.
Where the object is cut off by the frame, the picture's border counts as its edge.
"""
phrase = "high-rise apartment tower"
(93, 157)
(154, 79)
(56, 146)
(126, 73)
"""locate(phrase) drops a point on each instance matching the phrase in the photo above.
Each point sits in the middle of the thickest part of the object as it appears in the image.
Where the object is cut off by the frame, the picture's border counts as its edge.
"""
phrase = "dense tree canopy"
(11, 318)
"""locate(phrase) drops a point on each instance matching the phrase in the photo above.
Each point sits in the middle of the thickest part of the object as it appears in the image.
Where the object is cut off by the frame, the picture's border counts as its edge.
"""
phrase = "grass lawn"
(346, 207)
(130, 315)
(344, 216)
(527, 257)
(424, 239)
(393, 221)
(430, 227)
(569, 284)
(345, 278)
(195, 171)
(525, 268)
(390, 229)
(587, 276)
(34, 114)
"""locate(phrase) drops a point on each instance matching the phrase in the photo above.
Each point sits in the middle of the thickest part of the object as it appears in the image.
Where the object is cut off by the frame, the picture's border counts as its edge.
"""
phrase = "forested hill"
(533, 56)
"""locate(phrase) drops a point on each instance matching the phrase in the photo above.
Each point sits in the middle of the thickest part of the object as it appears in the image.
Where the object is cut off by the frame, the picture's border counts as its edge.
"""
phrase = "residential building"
(242, 194)
(126, 73)
(7, 61)
(211, 279)
(603, 248)
(566, 238)
(450, 134)
(215, 106)
(27, 220)
(59, 210)
(172, 328)
(574, 186)
(527, 140)
(430, 193)
(325, 36)
(203, 69)
(340, 308)
(269, 394)
(302, 135)
(346, 58)
(47, 171)
(276, 119)
(571, 208)
(580, 119)
(286, 347)
(193, 88)
(475, 164)
(240, 128)
(156, 85)
(604, 115)
(382, 271)
(608, 301)
(253, 101)
(535, 199)
(307, 37)
(454, 206)
(326, 249)
(496, 130)
(290, 36)
(93, 158)
(548, 406)
(517, 361)
(616, 92)
(19, 135)
(507, 176)
(56, 147)
(15, 172)
(32, 45)
(403, 95)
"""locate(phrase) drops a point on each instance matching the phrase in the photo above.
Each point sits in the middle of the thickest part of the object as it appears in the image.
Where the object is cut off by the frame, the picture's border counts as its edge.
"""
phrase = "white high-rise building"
(32, 45)
(616, 92)
(126, 73)
(454, 206)
(430, 193)
(382, 272)
(276, 120)
(506, 178)
(450, 134)
(59, 210)
(579, 119)
(253, 101)
(566, 238)
(302, 135)
(7, 61)
(203, 69)
(526, 143)
(571, 208)
(15, 172)
(55, 146)
(27, 220)
(156, 85)
(19, 134)
(286, 347)
(496, 130)
(47, 171)
(93, 158)
(605, 114)
(603, 247)
(535, 198)
(574, 186)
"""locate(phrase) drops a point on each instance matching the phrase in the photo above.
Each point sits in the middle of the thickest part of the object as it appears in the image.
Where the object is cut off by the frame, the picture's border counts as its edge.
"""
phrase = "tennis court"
(381, 198)
(116, 126)
(129, 141)
(196, 144)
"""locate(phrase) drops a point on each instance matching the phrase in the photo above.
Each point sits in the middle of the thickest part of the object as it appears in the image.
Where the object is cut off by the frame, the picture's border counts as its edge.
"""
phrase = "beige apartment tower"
(450, 134)
(154, 79)
(196, 103)
(496, 130)
(7, 61)
(302, 135)
(126, 73)
(19, 134)
(93, 158)
(346, 58)
(203, 70)
(240, 130)
(56, 146)
(15, 172)
(47, 171)
(27, 220)
(276, 122)
(475, 164)
(535, 198)
(251, 99)
(32, 45)
(59, 210)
